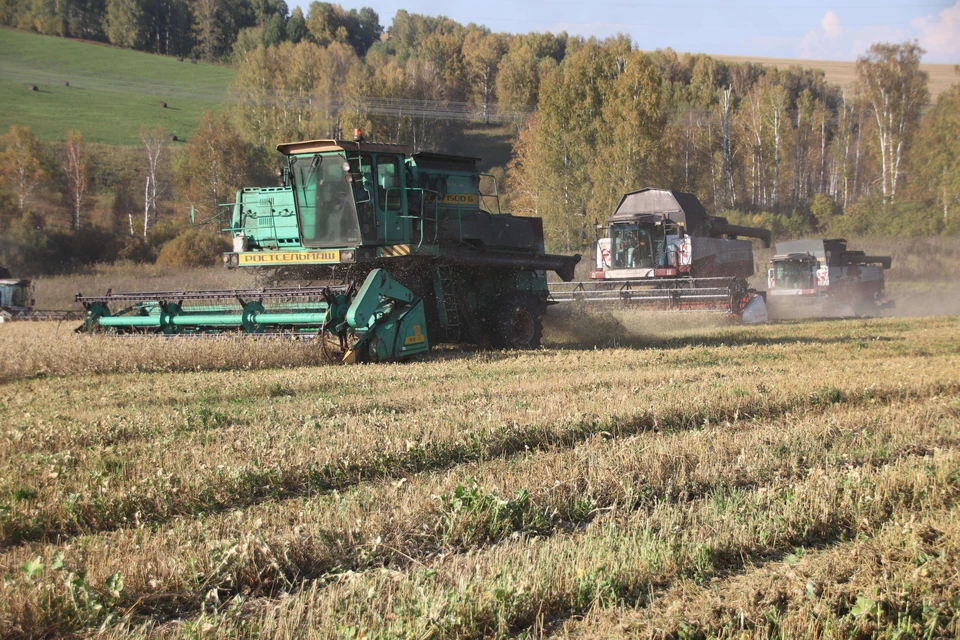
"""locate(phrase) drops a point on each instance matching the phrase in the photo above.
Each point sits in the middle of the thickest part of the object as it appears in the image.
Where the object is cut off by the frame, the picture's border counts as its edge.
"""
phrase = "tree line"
(782, 149)
(208, 29)
(589, 120)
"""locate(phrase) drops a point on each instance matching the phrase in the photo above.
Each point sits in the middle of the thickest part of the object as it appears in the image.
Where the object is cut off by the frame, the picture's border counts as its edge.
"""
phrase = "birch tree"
(726, 100)
(74, 165)
(777, 102)
(891, 81)
(20, 166)
(213, 165)
(630, 153)
(935, 158)
(153, 139)
(481, 55)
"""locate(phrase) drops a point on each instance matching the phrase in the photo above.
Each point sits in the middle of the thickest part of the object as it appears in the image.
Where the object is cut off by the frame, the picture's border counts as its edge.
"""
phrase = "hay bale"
(163, 105)
(173, 138)
(195, 60)
(33, 87)
(179, 58)
(65, 83)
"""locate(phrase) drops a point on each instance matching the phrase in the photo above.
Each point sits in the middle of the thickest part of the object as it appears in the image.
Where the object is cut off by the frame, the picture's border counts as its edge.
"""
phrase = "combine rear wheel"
(519, 324)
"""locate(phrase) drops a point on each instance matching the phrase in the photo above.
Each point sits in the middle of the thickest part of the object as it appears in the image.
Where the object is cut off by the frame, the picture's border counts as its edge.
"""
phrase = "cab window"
(363, 193)
(631, 247)
(388, 183)
(795, 275)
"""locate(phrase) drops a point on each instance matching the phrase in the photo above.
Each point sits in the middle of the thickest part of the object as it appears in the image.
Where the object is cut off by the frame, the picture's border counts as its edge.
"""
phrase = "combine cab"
(663, 250)
(16, 301)
(413, 254)
(16, 297)
(822, 279)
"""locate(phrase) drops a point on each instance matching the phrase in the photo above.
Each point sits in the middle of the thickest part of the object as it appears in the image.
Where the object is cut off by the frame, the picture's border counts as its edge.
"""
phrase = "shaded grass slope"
(112, 92)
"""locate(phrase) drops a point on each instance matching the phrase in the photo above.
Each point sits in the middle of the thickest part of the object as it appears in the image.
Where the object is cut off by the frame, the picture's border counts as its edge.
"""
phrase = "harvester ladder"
(447, 299)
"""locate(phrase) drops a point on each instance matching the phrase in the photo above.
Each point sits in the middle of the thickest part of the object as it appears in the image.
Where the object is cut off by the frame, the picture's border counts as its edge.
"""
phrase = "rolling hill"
(110, 92)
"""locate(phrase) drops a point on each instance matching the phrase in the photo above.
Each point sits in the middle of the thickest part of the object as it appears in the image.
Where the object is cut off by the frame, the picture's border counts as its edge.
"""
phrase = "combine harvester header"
(663, 250)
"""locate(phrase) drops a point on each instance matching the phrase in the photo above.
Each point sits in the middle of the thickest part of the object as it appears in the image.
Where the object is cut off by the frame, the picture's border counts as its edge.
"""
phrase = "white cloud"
(830, 23)
(834, 41)
(940, 34)
(826, 41)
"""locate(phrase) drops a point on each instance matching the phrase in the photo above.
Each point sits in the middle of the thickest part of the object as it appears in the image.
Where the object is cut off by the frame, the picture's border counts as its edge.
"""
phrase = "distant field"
(112, 91)
(942, 76)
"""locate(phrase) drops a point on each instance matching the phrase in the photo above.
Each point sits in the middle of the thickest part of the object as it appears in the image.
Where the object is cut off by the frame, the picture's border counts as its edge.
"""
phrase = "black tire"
(519, 324)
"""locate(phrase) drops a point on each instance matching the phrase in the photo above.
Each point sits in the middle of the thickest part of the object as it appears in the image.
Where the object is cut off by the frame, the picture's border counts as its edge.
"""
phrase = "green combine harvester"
(417, 255)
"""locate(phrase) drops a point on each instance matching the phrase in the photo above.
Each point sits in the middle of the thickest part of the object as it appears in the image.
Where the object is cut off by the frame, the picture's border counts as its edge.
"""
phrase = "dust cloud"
(923, 299)
(575, 325)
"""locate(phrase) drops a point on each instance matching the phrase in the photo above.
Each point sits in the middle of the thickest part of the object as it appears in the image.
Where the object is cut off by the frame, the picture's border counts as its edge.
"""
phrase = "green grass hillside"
(111, 92)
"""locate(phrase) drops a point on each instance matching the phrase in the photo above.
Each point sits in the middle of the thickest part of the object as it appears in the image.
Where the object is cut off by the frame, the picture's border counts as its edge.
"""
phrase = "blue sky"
(837, 30)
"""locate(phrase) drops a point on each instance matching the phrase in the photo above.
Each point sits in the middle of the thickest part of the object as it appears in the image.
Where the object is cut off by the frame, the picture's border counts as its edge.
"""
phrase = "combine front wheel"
(333, 347)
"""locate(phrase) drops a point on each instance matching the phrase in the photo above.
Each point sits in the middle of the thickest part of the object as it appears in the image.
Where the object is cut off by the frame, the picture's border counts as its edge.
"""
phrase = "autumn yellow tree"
(214, 163)
(482, 52)
(74, 163)
(890, 79)
(20, 166)
(936, 156)
(630, 154)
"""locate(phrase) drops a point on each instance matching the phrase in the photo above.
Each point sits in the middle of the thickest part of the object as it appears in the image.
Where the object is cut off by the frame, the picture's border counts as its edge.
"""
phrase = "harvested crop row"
(617, 561)
(45, 349)
(102, 488)
(906, 579)
(42, 350)
(276, 546)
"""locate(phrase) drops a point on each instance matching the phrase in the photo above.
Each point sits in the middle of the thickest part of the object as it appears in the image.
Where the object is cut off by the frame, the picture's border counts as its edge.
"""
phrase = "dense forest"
(589, 119)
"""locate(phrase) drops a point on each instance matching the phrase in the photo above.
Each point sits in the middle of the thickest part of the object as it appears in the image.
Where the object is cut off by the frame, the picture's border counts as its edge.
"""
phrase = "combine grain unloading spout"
(723, 228)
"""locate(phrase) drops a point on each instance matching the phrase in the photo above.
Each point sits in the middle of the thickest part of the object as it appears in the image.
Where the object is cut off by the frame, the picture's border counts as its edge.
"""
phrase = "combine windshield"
(631, 247)
(795, 275)
(328, 216)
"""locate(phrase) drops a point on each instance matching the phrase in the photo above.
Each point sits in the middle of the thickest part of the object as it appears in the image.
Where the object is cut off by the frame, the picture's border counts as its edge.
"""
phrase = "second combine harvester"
(429, 262)
(663, 250)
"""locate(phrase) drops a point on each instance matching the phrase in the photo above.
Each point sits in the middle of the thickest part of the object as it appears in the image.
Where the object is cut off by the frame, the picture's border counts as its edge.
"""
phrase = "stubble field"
(644, 475)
